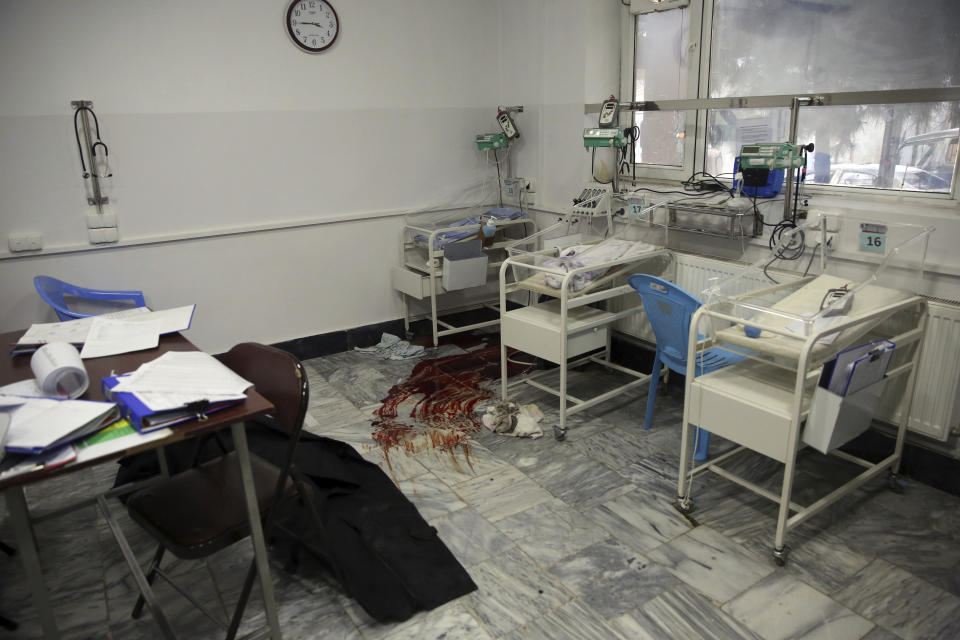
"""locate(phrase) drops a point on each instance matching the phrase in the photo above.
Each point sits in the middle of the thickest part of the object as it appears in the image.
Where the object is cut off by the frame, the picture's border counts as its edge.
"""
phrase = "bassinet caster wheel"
(684, 505)
(780, 555)
(559, 434)
(893, 483)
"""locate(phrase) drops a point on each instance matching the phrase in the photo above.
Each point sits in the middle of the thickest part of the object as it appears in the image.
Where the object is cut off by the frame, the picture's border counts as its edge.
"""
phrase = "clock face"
(312, 24)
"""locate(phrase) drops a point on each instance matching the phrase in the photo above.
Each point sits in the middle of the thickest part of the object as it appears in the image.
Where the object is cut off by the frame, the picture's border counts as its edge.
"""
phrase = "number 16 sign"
(873, 238)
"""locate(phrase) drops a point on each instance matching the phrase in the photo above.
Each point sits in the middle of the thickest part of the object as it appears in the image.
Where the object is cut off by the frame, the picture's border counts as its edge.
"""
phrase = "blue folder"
(144, 419)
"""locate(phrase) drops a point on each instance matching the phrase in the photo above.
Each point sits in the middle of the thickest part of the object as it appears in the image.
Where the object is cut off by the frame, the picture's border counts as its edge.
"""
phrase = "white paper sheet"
(8, 402)
(40, 422)
(110, 336)
(187, 372)
(75, 331)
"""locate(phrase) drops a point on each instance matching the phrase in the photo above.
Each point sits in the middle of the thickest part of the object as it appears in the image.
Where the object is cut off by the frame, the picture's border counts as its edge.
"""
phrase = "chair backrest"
(52, 291)
(669, 309)
(278, 376)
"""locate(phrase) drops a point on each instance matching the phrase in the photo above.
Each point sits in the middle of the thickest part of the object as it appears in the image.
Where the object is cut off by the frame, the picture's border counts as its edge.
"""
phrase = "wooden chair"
(202, 510)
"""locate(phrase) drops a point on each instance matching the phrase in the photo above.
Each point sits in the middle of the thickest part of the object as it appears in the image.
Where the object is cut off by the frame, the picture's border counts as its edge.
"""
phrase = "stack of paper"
(111, 333)
(38, 425)
(177, 386)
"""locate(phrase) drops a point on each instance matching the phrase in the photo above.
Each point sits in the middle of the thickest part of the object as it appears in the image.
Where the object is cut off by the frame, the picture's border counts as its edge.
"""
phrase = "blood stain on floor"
(433, 408)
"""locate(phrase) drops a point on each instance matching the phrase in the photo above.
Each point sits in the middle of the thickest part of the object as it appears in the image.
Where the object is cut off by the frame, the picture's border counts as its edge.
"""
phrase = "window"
(801, 47)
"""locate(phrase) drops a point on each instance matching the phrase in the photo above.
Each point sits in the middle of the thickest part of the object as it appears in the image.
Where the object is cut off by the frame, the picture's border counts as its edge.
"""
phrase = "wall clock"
(312, 24)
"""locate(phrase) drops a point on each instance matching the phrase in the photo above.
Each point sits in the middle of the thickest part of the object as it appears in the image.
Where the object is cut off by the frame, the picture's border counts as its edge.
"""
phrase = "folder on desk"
(145, 419)
(43, 424)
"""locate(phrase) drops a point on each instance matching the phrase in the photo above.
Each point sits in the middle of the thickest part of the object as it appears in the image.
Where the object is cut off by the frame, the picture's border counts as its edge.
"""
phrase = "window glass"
(770, 47)
(661, 74)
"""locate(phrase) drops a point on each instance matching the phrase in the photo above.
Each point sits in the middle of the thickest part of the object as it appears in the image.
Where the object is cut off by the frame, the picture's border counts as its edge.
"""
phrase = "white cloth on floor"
(511, 419)
(391, 347)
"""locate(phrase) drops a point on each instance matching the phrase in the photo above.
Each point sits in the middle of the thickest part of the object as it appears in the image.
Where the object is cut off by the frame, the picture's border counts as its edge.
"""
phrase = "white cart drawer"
(749, 403)
(412, 283)
(536, 330)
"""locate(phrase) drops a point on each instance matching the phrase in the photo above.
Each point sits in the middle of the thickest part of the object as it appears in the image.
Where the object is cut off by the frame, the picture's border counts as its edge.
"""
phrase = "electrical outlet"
(105, 220)
(102, 236)
(25, 241)
(833, 224)
(529, 195)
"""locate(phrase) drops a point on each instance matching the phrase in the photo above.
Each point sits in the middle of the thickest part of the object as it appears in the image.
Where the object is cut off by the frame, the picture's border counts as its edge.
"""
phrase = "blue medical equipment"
(765, 183)
(54, 293)
(669, 309)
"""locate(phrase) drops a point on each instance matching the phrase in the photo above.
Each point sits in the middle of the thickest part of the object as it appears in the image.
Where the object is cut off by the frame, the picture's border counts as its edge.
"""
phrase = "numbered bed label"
(873, 238)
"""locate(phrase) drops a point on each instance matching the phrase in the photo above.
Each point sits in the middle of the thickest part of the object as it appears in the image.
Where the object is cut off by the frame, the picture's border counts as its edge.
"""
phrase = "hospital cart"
(572, 328)
(790, 324)
(425, 236)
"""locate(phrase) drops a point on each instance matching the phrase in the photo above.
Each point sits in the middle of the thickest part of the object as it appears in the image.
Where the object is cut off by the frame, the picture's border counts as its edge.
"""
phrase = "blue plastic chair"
(54, 291)
(669, 309)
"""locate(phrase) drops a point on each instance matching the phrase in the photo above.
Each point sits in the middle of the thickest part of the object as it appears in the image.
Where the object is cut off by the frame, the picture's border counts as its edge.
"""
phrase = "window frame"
(698, 80)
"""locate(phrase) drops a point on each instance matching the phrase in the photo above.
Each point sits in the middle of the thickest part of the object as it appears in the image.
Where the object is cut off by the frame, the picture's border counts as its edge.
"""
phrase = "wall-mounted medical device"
(486, 141)
(598, 137)
(94, 154)
(649, 6)
(609, 113)
(506, 123)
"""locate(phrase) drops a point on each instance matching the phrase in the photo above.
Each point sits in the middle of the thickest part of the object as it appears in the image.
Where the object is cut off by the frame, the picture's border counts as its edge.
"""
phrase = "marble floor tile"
(711, 563)
(579, 480)
(616, 449)
(399, 465)
(905, 541)
(612, 578)
(512, 591)
(526, 454)
(817, 557)
(432, 497)
(455, 465)
(470, 537)
(781, 607)
(361, 385)
(902, 603)
(502, 493)
(446, 623)
(657, 471)
(573, 621)
(680, 612)
(550, 531)
(640, 520)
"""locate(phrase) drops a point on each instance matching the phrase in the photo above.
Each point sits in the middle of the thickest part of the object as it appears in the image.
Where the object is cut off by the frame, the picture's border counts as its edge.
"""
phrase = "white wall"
(217, 123)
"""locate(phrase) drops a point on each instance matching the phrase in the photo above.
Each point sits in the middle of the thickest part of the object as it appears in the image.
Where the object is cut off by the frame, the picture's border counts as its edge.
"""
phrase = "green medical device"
(597, 137)
(491, 141)
(771, 155)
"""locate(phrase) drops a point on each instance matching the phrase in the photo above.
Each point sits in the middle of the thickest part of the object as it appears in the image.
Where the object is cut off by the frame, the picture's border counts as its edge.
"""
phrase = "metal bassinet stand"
(569, 330)
(762, 403)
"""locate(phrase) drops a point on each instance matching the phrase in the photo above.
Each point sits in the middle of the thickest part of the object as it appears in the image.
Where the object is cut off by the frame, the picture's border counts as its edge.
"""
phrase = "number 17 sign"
(873, 238)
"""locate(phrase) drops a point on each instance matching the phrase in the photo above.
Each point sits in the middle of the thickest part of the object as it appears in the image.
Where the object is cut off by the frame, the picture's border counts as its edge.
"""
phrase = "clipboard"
(857, 367)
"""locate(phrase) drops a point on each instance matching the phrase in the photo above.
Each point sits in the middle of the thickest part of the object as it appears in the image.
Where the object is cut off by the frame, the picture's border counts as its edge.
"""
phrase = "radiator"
(935, 410)
(692, 273)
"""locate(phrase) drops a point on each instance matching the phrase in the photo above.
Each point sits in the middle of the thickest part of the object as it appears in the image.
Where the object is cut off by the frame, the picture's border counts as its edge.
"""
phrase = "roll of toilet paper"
(59, 370)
